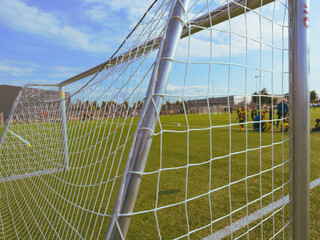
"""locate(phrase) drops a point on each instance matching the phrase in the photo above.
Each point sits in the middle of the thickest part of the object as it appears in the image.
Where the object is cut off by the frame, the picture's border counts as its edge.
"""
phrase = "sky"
(54, 40)
(50, 41)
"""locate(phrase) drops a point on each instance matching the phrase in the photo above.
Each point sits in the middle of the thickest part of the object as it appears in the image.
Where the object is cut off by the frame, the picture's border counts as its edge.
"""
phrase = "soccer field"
(176, 186)
(202, 180)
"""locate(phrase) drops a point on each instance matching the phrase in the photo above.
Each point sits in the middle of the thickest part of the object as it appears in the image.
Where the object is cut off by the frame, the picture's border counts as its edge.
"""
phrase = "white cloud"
(17, 15)
(99, 13)
(194, 90)
(15, 71)
(60, 72)
(32, 73)
(218, 39)
(134, 9)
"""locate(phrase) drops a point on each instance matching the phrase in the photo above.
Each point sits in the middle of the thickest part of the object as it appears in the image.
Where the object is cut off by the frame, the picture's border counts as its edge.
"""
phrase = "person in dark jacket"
(254, 113)
(282, 110)
(317, 126)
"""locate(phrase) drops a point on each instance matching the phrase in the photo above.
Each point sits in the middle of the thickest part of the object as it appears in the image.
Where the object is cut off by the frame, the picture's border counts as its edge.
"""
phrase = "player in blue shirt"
(282, 110)
(256, 124)
(254, 113)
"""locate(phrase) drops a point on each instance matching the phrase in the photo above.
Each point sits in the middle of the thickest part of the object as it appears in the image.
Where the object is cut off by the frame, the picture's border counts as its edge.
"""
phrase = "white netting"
(1, 120)
(214, 169)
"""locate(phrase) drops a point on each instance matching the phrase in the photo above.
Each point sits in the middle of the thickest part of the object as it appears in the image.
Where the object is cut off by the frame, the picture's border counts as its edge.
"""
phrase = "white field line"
(28, 175)
(164, 124)
(243, 222)
(170, 124)
(17, 136)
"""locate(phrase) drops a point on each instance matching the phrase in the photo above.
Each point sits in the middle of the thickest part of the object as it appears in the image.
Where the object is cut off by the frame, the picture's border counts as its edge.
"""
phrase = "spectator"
(317, 126)
(282, 110)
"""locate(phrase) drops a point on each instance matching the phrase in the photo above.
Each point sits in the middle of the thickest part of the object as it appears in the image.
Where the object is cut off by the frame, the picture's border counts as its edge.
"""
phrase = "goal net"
(133, 148)
(1, 120)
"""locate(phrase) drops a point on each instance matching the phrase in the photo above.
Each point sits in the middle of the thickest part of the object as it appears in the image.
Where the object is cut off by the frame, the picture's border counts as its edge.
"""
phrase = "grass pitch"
(206, 173)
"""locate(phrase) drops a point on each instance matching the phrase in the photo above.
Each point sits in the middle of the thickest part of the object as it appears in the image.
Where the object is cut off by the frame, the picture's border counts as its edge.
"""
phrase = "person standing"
(242, 117)
(254, 113)
(282, 110)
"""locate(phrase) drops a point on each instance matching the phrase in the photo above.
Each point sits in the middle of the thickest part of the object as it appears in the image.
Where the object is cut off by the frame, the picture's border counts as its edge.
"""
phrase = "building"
(215, 104)
(9, 93)
(7, 96)
(202, 105)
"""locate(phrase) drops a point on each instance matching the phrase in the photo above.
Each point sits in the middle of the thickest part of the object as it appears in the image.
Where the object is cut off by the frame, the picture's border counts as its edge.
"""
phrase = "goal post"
(27, 135)
(148, 119)
(64, 127)
(300, 133)
(142, 160)
(9, 119)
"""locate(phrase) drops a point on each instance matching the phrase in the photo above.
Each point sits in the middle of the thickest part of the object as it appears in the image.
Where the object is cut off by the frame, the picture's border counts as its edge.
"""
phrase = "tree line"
(262, 96)
(266, 98)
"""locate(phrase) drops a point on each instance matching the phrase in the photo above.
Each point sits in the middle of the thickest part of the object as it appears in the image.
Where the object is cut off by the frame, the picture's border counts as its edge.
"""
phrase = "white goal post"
(133, 148)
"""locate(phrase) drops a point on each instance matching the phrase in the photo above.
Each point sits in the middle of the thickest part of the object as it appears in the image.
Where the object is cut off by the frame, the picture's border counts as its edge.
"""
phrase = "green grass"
(177, 183)
(197, 179)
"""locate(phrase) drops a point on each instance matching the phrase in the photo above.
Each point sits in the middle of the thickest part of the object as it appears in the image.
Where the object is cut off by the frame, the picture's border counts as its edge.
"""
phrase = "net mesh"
(207, 175)
(1, 120)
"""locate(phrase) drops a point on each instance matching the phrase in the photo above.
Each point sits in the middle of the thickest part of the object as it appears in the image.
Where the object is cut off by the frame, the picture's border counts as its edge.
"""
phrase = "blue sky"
(54, 40)
(50, 41)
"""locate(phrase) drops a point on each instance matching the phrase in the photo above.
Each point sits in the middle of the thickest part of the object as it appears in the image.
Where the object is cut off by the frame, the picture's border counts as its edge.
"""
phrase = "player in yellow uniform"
(238, 110)
(254, 113)
(285, 125)
(266, 127)
(242, 116)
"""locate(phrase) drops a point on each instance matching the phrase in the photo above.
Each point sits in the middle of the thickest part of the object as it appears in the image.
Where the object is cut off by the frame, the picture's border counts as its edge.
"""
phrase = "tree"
(79, 105)
(95, 105)
(265, 99)
(185, 103)
(103, 105)
(126, 104)
(313, 96)
(255, 99)
(140, 104)
(275, 101)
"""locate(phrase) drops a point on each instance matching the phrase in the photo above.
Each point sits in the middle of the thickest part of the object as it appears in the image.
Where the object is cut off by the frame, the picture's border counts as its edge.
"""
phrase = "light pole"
(256, 82)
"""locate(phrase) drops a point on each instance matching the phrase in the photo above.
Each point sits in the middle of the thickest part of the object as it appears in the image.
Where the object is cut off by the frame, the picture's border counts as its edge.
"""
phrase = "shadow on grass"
(169, 191)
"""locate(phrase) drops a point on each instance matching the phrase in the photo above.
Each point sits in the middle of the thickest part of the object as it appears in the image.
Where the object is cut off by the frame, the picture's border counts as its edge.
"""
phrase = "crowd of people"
(276, 116)
(262, 120)
(265, 118)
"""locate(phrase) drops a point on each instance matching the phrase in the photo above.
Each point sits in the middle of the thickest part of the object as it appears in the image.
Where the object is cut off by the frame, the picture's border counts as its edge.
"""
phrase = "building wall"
(7, 96)
(217, 101)
(202, 105)
(9, 93)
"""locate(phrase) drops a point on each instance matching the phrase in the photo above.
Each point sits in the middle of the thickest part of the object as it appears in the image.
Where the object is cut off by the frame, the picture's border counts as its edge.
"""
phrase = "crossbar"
(219, 15)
